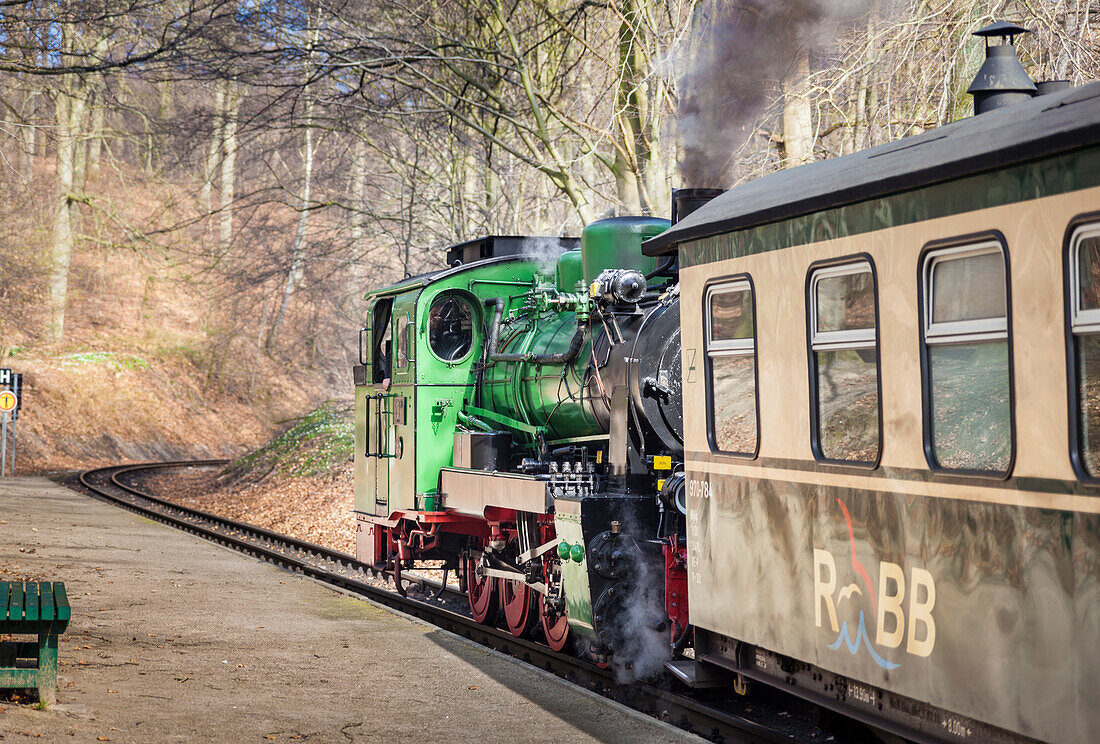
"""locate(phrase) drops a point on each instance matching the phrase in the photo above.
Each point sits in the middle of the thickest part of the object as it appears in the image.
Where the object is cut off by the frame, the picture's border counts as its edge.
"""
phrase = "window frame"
(1072, 311)
(404, 342)
(955, 332)
(730, 347)
(1088, 320)
(475, 318)
(381, 318)
(961, 331)
(847, 339)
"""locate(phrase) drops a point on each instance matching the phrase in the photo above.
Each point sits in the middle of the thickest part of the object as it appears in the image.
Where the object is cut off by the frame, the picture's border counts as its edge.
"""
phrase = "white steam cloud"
(544, 252)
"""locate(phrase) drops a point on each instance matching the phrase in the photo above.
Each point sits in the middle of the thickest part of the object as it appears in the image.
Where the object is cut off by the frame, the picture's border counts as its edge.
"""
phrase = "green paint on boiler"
(616, 243)
(569, 271)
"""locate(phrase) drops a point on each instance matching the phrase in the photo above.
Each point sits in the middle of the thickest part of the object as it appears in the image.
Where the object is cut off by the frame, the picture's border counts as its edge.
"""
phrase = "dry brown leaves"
(317, 509)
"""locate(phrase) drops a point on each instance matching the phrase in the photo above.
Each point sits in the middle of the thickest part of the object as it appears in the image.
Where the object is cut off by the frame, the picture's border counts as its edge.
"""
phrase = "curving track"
(344, 572)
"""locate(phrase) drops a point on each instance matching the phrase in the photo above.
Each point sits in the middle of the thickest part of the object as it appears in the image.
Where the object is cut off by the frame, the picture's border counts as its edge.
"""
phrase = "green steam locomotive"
(518, 417)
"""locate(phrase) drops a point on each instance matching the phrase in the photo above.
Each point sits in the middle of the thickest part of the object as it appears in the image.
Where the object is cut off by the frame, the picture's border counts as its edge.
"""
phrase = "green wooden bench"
(32, 608)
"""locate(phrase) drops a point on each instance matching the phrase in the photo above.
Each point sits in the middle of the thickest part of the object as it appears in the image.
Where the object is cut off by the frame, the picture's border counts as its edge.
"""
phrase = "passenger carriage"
(891, 370)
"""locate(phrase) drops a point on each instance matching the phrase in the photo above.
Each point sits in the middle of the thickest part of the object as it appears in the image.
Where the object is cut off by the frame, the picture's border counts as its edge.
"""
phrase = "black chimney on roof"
(686, 201)
(1001, 81)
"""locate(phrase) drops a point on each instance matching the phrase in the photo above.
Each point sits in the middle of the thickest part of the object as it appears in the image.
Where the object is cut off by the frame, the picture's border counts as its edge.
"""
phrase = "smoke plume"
(745, 49)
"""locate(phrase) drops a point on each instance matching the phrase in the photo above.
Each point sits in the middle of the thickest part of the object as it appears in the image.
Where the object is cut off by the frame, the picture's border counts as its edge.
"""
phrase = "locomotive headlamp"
(577, 553)
(619, 286)
(563, 550)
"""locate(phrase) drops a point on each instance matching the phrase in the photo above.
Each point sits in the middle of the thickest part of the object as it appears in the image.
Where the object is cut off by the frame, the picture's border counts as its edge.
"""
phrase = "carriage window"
(731, 353)
(845, 360)
(451, 328)
(965, 307)
(1085, 315)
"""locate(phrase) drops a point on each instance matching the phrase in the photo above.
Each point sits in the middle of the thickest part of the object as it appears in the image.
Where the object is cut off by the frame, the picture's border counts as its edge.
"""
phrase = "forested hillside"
(195, 194)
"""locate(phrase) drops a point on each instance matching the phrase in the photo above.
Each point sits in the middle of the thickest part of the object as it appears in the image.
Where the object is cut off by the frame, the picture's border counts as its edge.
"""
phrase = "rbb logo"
(902, 612)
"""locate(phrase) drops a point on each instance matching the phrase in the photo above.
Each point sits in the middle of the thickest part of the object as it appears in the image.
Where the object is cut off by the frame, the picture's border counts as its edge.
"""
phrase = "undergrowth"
(113, 360)
(315, 444)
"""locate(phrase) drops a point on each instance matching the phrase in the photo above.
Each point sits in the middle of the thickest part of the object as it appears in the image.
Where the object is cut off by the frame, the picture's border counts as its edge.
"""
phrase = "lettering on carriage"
(700, 489)
(901, 609)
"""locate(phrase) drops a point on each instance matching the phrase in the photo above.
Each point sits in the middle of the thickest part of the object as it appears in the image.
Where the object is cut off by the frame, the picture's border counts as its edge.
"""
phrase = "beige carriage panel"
(1034, 232)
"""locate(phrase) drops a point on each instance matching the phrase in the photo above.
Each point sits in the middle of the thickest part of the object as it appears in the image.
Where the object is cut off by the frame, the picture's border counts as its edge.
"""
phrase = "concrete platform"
(174, 639)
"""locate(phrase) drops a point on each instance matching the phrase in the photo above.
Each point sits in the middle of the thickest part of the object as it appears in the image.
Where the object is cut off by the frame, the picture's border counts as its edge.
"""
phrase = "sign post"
(8, 402)
(17, 388)
(9, 405)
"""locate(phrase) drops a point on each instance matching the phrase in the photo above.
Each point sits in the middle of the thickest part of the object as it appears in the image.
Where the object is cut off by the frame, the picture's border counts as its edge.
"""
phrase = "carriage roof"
(1045, 126)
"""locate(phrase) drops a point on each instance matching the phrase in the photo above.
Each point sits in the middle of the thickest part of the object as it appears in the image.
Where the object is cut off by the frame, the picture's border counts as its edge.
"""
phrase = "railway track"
(433, 606)
(289, 552)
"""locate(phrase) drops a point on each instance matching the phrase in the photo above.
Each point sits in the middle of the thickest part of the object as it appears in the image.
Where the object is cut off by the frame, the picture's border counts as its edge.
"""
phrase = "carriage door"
(379, 421)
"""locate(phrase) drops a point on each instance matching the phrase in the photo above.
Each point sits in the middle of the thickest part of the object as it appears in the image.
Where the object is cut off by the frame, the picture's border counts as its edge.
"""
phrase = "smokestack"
(686, 201)
(1001, 81)
(1047, 87)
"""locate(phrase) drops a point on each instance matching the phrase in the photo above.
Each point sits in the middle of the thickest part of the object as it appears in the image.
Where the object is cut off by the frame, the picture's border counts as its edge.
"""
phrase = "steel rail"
(667, 705)
(260, 534)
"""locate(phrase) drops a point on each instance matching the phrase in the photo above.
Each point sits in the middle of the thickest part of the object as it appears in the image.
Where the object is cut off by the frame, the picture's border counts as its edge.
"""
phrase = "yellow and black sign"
(8, 401)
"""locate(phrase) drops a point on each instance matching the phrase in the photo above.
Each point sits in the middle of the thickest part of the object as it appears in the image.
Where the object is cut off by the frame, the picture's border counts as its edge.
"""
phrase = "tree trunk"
(467, 217)
(631, 106)
(70, 108)
(863, 114)
(229, 165)
(490, 197)
(798, 135)
(357, 275)
(95, 137)
(29, 129)
(295, 269)
(80, 160)
(211, 165)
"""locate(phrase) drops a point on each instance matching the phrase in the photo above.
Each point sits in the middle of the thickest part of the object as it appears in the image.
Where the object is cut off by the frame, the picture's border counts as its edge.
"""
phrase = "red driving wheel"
(481, 591)
(555, 626)
(519, 609)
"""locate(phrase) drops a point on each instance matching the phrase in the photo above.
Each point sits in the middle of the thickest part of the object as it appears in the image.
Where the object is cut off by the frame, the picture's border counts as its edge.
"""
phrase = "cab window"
(451, 328)
(382, 346)
(403, 342)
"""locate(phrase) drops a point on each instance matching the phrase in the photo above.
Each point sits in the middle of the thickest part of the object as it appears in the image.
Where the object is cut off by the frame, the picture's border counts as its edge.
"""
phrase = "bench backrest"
(34, 607)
